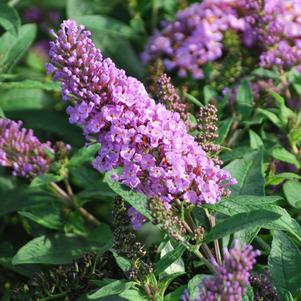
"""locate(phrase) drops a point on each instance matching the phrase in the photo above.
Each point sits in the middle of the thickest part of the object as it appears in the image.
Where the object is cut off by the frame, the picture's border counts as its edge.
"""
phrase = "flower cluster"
(195, 37)
(232, 277)
(22, 151)
(263, 287)
(276, 25)
(157, 155)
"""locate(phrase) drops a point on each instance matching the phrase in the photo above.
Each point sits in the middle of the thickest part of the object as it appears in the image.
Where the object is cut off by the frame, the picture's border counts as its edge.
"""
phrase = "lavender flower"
(137, 219)
(276, 26)
(232, 277)
(22, 151)
(159, 158)
(195, 37)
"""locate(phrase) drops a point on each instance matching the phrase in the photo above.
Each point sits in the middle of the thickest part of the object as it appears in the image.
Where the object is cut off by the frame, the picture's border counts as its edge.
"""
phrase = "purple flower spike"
(22, 151)
(232, 277)
(159, 158)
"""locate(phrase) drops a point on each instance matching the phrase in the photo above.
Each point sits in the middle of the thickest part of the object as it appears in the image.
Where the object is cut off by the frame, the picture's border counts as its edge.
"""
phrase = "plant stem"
(198, 254)
(69, 202)
(212, 222)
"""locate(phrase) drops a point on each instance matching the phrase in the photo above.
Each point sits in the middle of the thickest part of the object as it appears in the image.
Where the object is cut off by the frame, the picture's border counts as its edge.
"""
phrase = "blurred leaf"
(248, 173)
(271, 116)
(265, 73)
(170, 256)
(13, 48)
(281, 177)
(223, 130)
(135, 199)
(176, 294)
(107, 26)
(85, 155)
(166, 281)
(113, 288)
(61, 249)
(284, 264)
(255, 218)
(112, 36)
(18, 199)
(209, 94)
(46, 214)
(194, 286)
(292, 191)
(9, 19)
(249, 295)
(77, 8)
(192, 99)
(282, 154)
(255, 140)
(44, 179)
(31, 84)
(244, 99)
(23, 99)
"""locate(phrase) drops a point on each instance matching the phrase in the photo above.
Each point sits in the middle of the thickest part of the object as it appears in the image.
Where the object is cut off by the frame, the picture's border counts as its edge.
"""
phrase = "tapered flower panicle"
(22, 151)
(231, 278)
(151, 144)
(195, 37)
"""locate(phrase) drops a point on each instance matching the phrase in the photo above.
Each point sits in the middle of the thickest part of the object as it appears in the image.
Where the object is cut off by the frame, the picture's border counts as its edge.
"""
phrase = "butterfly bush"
(276, 26)
(196, 35)
(21, 150)
(231, 278)
(157, 155)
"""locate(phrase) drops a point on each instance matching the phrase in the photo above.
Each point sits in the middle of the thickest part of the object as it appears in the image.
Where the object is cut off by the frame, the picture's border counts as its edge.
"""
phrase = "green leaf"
(18, 199)
(111, 35)
(165, 281)
(248, 173)
(135, 199)
(292, 191)
(122, 262)
(24, 99)
(209, 94)
(168, 259)
(193, 286)
(192, 99)
(239, 222)
(46, 214)
(77, 8)
(85, 155)
(283, 155)
(249, 295)
(284, 264)
(9, 19)
(32, 84)
(13, 48)
(244, 99)
(61, 249)
(107, 25)
(265, 73)
(279, 178)
(113, 288)
(271, 116)
(255, 140)
(223, 130)
(45, 179)
(176, 294)
(238, 205)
